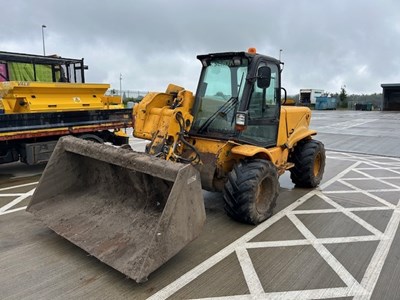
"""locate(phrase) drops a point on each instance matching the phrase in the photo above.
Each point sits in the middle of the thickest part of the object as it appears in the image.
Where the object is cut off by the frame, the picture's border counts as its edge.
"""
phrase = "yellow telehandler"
(134, 211)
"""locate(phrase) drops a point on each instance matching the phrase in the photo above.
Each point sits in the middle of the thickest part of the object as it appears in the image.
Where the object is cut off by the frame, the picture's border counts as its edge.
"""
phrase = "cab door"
(263, 110)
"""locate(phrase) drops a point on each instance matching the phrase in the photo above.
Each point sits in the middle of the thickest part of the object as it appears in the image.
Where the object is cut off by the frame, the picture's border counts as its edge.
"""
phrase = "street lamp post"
(44, 48)
(120, 85)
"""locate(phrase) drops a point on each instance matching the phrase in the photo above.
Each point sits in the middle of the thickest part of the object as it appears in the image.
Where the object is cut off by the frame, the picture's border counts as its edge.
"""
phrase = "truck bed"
(11, 125)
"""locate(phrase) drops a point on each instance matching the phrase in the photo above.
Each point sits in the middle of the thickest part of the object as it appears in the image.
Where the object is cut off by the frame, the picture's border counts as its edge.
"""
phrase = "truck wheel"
(91, 137)
(251, 191)
(309, 163)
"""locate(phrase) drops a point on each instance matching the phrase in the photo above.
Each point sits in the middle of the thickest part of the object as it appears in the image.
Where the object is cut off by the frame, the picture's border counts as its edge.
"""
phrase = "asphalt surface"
(339, 241)
(369, 132)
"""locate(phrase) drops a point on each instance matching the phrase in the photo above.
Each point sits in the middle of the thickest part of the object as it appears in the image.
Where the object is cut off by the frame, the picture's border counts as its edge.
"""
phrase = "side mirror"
(263, 77)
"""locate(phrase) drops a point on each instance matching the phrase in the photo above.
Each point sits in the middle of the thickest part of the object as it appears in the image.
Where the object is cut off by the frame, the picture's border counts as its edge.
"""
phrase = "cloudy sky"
(326, 43)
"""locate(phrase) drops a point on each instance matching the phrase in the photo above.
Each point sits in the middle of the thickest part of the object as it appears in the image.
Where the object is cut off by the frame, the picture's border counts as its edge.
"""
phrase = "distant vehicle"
(307, 97)
(325, 103)
(364, 106)
(45, 97)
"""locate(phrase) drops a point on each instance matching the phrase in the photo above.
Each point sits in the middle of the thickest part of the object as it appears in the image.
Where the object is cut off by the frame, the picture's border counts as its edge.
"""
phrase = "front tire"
(309, 164)
(251, 191)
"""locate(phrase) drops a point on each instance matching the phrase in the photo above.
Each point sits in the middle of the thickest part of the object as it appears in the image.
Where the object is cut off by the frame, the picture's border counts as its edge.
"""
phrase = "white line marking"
(333, 210)
(352, 216)
(377, 178)
(315, 211)
(370, 208)
(18, 186)
(345, 275)
(176, 285)
(298, 295)
(361, 179)
(16, 201)
(376, 164)
(12, 195)
(13, 210)
(365, 158)
(250, 275)
(375, 267)
(291, 243)
(275, 244)
(384, 202)
(370, 169)
(368, 191)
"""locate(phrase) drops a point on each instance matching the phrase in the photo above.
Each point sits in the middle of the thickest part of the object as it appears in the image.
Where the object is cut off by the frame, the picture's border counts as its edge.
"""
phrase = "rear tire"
(251, 191)
(309, 164)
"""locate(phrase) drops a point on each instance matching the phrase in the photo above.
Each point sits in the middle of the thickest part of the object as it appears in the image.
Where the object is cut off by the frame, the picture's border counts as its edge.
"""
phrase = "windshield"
(220, 93)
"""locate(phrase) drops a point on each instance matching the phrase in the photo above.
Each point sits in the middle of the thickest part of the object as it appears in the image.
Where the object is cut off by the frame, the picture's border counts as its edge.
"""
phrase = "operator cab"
(238, 98)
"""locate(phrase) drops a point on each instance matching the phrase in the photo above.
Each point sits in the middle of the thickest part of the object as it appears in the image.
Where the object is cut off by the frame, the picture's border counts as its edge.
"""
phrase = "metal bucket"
(130, 210)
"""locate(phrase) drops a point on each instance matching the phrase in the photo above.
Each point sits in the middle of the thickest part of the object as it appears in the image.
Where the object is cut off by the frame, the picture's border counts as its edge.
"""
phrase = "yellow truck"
(45, 97)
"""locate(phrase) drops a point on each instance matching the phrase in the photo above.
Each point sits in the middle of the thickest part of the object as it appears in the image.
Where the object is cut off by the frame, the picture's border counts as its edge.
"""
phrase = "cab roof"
(248, 55)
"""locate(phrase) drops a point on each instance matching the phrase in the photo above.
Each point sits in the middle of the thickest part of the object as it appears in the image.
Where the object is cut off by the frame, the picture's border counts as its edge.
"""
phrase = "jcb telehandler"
(134, 211)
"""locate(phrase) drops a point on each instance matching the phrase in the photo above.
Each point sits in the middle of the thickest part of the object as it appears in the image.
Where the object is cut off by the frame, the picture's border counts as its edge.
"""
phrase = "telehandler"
(134, 211)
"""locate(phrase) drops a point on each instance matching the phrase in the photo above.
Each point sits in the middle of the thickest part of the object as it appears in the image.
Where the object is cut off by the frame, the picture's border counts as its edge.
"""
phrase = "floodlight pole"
(120, 85)
(44, 48)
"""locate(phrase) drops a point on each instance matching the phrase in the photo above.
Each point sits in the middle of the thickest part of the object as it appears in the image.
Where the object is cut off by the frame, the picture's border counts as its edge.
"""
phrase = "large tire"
(309, 163)
(251, 191)
(91, 137)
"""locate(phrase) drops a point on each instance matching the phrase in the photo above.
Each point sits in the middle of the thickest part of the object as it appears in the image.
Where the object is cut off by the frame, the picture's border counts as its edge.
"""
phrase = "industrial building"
(391, 96)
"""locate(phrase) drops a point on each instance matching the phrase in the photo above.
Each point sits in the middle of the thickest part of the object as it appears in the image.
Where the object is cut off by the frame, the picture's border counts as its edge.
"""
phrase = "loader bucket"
(131, 210)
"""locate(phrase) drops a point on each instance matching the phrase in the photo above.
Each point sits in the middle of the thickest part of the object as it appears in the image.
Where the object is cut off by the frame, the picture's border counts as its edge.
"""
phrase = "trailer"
(308, 97)
(43, 98)
(325, 103)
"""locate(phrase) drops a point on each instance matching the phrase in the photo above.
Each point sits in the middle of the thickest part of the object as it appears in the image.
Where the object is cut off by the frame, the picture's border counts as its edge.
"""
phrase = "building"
(391, 96)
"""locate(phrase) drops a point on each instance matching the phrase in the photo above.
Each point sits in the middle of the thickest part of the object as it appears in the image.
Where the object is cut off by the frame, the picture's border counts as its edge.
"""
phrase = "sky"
(326, 44)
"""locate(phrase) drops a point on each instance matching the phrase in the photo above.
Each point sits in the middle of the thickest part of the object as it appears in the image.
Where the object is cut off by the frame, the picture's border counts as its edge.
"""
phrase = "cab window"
(263, 111)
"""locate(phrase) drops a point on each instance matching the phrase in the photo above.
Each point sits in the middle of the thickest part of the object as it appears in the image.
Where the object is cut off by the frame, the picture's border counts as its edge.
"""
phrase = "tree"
(343, 97)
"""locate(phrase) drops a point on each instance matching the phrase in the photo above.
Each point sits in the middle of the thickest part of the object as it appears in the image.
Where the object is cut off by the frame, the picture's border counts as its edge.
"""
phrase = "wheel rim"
(266, 189)
(317, 164)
